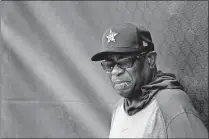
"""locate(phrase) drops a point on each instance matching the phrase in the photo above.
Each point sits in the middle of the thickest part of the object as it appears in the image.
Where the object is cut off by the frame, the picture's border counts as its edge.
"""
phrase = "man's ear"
(151, 59)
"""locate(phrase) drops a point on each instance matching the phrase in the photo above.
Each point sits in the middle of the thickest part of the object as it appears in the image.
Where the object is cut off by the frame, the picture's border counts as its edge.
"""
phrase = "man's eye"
(110, 64)
(125, 60)
(111, 67)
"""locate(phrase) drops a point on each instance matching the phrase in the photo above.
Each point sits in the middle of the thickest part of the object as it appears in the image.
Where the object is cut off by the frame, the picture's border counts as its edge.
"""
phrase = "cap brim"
(103, 55)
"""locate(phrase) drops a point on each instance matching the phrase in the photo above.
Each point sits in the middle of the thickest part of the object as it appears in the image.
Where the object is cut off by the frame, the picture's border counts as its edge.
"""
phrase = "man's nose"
(117, 70)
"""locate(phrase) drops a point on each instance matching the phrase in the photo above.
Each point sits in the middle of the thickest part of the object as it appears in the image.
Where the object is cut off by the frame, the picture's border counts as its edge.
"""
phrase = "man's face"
(126, 73)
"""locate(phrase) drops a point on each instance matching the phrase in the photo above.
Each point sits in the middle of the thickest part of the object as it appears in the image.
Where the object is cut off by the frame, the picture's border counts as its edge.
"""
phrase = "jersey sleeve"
(186, 125)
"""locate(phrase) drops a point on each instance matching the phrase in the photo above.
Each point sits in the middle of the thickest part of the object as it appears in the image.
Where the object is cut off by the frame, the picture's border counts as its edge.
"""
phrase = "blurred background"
(49, 86)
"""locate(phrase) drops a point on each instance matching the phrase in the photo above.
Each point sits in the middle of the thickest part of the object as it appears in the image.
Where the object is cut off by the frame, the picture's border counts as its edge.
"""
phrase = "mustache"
(120, 79)
(117, 81)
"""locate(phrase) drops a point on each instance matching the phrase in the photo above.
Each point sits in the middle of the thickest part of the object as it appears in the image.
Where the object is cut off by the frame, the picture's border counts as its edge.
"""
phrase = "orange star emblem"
(111, 36)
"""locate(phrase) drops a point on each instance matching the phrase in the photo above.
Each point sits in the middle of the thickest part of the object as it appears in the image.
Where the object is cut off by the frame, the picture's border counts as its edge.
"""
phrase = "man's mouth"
(120, 85)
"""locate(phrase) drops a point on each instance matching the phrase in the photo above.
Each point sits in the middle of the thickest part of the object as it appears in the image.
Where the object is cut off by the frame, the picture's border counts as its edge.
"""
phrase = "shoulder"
(174, 98)
(172, 102)
(119, 103)
(180, 117)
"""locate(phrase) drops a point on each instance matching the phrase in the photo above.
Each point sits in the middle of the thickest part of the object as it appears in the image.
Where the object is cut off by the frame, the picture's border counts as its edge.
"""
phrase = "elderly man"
(153, 103)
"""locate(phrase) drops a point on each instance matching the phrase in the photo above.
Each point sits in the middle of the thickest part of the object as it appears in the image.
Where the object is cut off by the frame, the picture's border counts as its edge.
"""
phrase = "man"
(153, 103)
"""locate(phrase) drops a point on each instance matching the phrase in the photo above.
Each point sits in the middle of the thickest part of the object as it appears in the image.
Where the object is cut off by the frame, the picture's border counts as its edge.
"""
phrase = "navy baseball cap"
(124, 38)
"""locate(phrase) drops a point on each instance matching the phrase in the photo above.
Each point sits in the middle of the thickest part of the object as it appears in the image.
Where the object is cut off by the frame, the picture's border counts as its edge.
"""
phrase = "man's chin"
(126, 93)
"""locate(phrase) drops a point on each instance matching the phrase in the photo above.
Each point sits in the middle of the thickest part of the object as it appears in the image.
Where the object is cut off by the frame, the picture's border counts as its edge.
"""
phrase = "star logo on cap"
(145, 44)
(111, 36)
